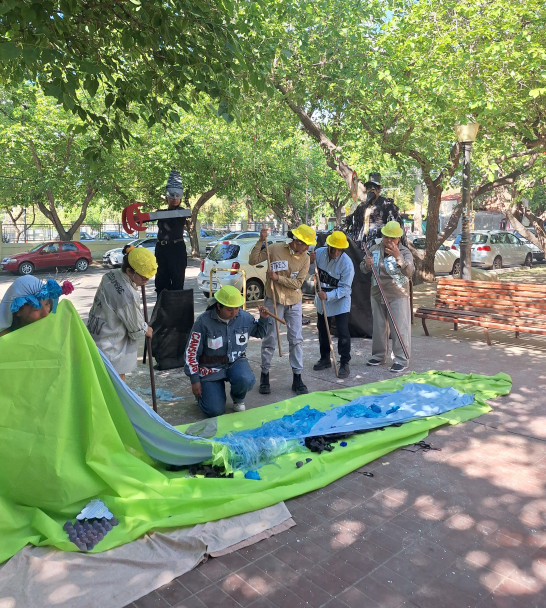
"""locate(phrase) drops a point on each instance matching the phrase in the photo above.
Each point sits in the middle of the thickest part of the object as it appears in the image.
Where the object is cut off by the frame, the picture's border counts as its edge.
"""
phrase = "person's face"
(27, 314)
(334, 252)
(227, 313)
(137, 279)
(173, 201)
(390, 241)
(299, 247)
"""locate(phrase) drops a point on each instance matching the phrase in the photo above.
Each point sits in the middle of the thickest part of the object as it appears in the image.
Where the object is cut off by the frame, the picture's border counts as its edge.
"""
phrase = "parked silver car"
(497, 248)
(232, 236)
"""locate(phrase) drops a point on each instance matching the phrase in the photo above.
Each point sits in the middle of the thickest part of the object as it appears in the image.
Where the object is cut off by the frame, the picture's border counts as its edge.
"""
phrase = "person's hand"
(263, 234)
(272, 275)
(149, 332)
(392, 249)
(264, 313)
(197, 390)
(312, 257)
(322, 295)
(368, 261)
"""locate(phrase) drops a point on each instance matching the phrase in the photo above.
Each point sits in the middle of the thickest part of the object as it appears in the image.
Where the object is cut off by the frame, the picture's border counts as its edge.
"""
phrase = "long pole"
(272, 284)
(386, 301)
(149, 349)
(466, 245)
(317, 287)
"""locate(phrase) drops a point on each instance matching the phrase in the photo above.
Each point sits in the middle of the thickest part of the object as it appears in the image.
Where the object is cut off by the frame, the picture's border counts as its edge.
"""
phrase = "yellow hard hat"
(337, 239)
(229, 296)
(143, 261)
(306, 234)
(392, 229)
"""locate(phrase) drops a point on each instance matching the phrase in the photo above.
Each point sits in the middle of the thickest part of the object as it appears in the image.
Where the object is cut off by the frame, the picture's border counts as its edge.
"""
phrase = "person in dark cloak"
(365, 223)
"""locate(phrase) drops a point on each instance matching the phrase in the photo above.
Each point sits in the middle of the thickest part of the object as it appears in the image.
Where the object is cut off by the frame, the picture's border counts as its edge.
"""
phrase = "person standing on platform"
(367, 220)
(287, 272)
(170, 250)
(336, 272)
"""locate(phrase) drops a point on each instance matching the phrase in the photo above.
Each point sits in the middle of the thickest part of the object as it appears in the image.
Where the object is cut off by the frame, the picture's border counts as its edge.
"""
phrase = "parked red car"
(54, 254)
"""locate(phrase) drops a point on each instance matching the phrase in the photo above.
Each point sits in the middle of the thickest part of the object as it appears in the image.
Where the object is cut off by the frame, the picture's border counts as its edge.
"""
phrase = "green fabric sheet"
(65, 439)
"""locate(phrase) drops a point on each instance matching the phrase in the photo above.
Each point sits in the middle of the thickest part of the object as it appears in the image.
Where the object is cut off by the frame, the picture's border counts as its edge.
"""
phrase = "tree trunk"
(192, 223)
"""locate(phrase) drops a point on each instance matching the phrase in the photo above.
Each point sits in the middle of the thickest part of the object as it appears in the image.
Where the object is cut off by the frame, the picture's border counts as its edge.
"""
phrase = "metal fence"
(47, 232)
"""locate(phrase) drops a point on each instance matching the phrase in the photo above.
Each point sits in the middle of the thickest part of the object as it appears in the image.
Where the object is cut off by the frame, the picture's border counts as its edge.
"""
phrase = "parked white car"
(446, 260)
(232, 257)
(232, 236)
(497, 248)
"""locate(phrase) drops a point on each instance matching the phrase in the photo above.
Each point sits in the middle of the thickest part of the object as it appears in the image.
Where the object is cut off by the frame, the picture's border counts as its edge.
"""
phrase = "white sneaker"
(239, 407)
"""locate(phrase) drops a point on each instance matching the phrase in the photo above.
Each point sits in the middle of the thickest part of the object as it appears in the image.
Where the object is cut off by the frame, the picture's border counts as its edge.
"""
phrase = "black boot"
(322, 364)
(298, 386)
(264, 389)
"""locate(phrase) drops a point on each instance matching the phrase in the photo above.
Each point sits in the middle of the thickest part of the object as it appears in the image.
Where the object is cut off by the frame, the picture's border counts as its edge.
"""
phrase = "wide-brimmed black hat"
(374, 180)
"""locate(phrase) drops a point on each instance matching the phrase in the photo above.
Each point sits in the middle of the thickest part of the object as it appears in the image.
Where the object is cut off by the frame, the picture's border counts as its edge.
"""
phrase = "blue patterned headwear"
(27, 290)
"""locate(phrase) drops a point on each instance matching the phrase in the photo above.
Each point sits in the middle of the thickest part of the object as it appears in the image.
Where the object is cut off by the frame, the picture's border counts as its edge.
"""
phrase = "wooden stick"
(317, 288)
(385, 301)
(272, 284)
(276, 318)
(149, 349)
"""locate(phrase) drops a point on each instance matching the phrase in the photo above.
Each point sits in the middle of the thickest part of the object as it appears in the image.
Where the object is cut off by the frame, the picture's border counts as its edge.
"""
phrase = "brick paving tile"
(214, 596)
(284, 598)
(392, 580)
(173, 592)
(312, 550)
(194, 580)
(337, 603)
(354, 598)
(386, 597)
(261, 603)
(152, 600)
(326, 580)
(234, 561)
(238, 589)
(276, 569)
(312, 594)
(258, 579)
(214, 569)
(191, 602)
(433, 595)
(293, 558)
(342, 569)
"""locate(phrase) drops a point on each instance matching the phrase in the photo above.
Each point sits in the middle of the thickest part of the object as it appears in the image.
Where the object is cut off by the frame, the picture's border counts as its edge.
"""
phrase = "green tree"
(111, 61)
(395, 79)
(43, 151)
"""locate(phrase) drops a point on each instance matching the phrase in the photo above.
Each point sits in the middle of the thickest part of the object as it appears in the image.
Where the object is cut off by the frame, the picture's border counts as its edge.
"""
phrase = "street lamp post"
(466, 134)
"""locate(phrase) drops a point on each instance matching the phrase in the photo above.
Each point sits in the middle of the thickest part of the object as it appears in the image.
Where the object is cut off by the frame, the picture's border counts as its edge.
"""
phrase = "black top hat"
(374, 180)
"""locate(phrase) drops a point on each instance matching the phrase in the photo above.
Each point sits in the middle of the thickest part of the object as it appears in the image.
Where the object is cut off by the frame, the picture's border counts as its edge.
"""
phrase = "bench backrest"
(496, 297)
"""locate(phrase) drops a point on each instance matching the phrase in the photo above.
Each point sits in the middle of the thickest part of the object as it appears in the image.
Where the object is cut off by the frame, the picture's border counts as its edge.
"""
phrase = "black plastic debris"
(422, 446)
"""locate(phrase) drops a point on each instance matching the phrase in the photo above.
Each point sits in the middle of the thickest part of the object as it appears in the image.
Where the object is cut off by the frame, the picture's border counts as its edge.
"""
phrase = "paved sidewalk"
(459, 525)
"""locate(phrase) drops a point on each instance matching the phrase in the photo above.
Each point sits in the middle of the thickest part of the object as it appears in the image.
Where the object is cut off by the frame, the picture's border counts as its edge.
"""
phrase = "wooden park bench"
(518, 307)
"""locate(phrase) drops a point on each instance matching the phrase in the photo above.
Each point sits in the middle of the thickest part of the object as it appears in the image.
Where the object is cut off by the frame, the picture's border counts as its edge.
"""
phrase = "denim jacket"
(214, 345)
